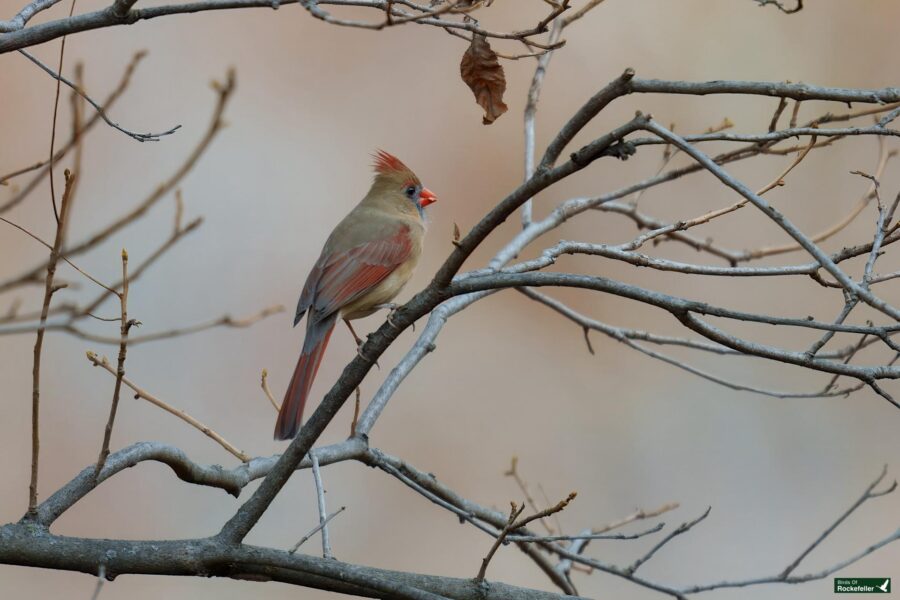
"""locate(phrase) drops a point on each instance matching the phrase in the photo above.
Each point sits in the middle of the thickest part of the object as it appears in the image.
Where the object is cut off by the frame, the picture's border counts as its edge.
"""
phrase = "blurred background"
(509, 377)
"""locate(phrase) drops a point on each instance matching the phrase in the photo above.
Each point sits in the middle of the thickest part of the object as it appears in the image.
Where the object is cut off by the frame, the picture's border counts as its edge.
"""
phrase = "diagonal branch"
(683, 528)
(782, 221)
(24, 15)
(98, 361)
(868, 494)
(141, 137)
(73, 141)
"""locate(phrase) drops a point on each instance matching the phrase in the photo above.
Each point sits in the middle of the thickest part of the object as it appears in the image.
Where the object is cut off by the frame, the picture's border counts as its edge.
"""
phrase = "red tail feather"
(291, 414)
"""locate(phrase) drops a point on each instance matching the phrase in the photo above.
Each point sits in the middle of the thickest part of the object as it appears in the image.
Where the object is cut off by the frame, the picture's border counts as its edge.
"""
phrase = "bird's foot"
(393, 307)
(359, 345)
(366, 358)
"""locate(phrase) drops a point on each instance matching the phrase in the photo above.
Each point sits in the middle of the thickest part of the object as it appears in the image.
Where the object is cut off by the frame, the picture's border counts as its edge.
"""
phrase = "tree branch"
(49, 290)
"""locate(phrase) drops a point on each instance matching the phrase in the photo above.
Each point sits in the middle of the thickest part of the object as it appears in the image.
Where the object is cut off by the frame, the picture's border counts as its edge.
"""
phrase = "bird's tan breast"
(387, 289)
(382, 293)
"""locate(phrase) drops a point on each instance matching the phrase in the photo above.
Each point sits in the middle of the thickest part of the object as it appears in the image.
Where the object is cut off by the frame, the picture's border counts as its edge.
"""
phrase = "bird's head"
(396, 184)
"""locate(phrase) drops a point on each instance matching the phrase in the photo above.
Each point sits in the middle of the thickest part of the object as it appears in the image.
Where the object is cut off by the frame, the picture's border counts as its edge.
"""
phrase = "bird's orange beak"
(426, 197)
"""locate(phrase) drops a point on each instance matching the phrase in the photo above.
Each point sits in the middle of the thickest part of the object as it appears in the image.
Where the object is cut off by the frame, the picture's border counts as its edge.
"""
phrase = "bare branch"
(515, 523)
(585, 536)
(264, 383)
(315, 529)
(23, 544)
(70, 263)
(627, 336)
(49, 289)
(76, 137)
(884, 158)
(868, 494)
(514, 512)
(124, 327)
(224, 91)
(62, 53)
(98, 361)
(807, 244)
(140, 137)
(683, 528)
(24, 15)
(401, 12)
(523, 487)
(323, 513)
(226, 321)
(780, 6)
(101, 577)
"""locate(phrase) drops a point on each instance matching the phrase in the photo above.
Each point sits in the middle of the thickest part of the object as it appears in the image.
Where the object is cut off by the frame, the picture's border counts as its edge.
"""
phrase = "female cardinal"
(366, 261)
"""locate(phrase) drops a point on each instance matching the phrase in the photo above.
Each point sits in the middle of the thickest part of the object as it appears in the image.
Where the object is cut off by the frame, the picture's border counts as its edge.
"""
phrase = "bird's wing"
(343, 276)
(309, 289)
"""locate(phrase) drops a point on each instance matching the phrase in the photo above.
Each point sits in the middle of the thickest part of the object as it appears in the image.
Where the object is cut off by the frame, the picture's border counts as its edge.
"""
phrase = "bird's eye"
(411, 192)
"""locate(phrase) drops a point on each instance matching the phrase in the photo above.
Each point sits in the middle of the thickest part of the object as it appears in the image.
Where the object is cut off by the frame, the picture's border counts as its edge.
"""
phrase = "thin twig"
(828, 232)
(61, 153)
(224, 92)
(582, 540)
(683, 225)
(779, 219)
(868, 494)
(683, 528)
(264, 384)
(523, 487)
(101, 579)
(780, 6)
(224, 321)
(141, 137)
(320, 500)
(124, 327)
(585, 536)
(315, 529)
(514, 523)
(62, 53)
(78, 109)
(98, 361)
(356, 408)
(782, 104)
(514, 512)
(581, 12)
(70, 263)
(49, 289)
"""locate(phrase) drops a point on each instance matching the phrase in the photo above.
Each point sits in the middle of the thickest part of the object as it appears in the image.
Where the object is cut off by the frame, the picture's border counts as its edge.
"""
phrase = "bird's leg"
(393, 307)
(359, 344)
(356, 338)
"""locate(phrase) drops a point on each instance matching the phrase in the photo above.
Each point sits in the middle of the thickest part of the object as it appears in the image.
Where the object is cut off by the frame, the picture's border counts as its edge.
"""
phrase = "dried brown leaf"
(481, 71)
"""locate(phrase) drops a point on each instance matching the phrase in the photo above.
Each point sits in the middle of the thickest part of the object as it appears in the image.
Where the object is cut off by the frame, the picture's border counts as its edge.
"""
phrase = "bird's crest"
(387, 164)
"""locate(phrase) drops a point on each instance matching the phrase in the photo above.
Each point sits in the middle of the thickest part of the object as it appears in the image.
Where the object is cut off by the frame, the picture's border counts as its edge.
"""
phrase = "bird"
(366, 261)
